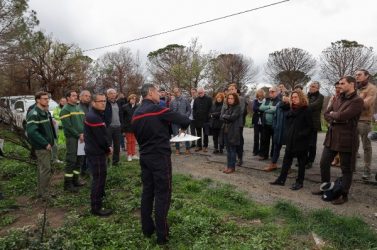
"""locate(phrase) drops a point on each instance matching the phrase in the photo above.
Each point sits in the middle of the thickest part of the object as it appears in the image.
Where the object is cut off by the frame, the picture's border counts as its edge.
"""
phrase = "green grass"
(204, 214)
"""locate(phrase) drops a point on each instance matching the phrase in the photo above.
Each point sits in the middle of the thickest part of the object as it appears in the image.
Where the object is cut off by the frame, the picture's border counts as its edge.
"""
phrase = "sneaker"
(129, 158)
(177, 152)
(135, 157)
(205, 149)
(187, 152)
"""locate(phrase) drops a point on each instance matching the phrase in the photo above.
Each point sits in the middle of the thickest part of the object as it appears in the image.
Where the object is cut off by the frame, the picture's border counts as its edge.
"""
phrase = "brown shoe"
(341, 200)
(205, 150)
(271, 167)
(230, 170)
(187, 152)
(198, 149)
(177, 152)
(225, 170)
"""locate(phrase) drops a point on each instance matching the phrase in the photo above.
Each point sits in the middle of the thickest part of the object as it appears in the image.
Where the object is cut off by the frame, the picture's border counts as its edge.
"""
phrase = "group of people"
(293, 119)
(91, 128)
(290, 118)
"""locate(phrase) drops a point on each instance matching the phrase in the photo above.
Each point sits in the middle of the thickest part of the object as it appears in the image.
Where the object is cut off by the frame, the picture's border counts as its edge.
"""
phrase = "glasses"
(103, 101)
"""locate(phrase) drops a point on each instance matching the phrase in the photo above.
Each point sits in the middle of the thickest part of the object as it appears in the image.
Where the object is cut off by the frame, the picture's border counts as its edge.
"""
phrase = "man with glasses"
(201, 108)
(97, 148)
(367, 91)
(268, 106)
(39, 129)
(315, 105)
(72, 118)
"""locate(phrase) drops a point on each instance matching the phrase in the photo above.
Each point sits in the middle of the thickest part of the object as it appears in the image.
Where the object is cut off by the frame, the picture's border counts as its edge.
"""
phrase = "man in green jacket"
(39, 130)
(72, 118)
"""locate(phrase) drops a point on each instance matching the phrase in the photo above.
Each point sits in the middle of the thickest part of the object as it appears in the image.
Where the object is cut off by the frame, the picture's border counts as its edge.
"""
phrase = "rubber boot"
(77, 182)
(68, 185)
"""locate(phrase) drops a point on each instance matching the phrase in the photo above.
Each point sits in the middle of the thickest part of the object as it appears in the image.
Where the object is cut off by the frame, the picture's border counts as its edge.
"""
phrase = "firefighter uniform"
(96, 149)
(150, 123)
(72, 118)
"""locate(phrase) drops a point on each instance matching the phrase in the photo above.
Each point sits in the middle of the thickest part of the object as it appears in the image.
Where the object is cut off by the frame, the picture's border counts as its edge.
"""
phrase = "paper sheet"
(183, 138)
(80, 148)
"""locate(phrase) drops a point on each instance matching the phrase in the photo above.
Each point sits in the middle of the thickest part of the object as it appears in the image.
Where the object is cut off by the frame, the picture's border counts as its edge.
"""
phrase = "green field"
(204, 214)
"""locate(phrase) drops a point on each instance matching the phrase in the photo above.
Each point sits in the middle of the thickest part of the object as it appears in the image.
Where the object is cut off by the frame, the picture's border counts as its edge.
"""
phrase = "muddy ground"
(255, 182)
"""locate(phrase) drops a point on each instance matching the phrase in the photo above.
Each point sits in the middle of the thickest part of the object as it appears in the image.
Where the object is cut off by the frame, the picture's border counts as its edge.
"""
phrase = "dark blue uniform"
(151, 127)
(96, 149)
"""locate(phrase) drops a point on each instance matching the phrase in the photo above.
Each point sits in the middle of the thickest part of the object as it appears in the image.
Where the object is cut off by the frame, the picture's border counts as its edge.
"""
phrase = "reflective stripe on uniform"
(72, 113)
(68, 175)
(76, 172)
(38, 122)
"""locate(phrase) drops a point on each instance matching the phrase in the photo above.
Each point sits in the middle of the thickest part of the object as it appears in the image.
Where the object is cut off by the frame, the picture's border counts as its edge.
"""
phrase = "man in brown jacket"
(341, 137)
(367, 91)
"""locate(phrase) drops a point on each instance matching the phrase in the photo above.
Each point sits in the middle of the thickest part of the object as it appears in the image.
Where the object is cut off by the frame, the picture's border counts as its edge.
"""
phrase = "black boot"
(101, 212)
(77, 182)
(68, 185)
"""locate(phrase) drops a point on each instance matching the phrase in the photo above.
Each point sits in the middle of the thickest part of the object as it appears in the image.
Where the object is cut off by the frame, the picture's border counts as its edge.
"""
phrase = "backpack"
(332, 190)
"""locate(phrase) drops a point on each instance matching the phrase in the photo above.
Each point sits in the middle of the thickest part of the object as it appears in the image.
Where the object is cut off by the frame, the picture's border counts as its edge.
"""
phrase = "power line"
(188, 26)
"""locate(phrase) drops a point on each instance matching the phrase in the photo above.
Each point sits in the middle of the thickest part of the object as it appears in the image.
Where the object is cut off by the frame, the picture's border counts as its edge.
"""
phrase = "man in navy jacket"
(150, 124)
(97, 147)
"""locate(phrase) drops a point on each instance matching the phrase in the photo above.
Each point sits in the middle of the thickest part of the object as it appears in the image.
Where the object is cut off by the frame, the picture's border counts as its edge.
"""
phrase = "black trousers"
(312, 146)
(192, 131)
(287, 163)
(156, 178)
(267, 134)
(114, 134)
(98, 170)
(347, 164)
(216, 143)
(205, 137)
(257, 138)
(239, 148)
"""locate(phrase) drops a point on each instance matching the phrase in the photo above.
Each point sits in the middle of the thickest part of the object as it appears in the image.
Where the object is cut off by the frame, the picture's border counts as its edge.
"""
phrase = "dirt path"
(254, 181)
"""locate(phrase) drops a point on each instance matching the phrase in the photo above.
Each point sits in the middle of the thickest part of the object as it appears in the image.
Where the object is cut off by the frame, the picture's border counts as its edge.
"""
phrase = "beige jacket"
(368, 94)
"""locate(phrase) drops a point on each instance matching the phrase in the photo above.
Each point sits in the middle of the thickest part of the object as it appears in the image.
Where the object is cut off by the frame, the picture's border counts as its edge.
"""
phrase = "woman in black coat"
(297, 131)
(257, 121)
(216, 123)
(230, 131)
(128, 111)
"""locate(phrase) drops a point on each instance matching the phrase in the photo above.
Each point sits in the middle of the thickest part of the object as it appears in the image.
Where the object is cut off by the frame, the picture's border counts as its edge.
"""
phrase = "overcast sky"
(307, 24)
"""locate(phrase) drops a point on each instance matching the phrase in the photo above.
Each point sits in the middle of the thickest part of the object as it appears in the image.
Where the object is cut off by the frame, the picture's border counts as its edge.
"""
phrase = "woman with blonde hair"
(297, 130)
(128, 111)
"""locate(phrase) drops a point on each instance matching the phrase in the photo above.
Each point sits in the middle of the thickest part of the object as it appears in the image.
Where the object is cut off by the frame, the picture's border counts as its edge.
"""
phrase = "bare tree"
(178, 66)
(344, 58)
(291, 66)
(119, 70)
(230, 68)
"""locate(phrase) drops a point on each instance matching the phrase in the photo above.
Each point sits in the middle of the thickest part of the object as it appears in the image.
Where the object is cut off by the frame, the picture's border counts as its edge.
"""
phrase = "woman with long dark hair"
(297, 131)
(230, 130)
(216, 123)
(257, 121)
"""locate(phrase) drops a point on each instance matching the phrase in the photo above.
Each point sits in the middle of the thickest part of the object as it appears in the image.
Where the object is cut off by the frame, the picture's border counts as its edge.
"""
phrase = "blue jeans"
(276, 152)
(231, 153)
(175, 129)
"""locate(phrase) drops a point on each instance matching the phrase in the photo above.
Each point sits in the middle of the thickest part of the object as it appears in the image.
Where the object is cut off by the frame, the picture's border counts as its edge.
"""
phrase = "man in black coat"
(97, 148)
(150, 124)
(201, 108)
(315, 106)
